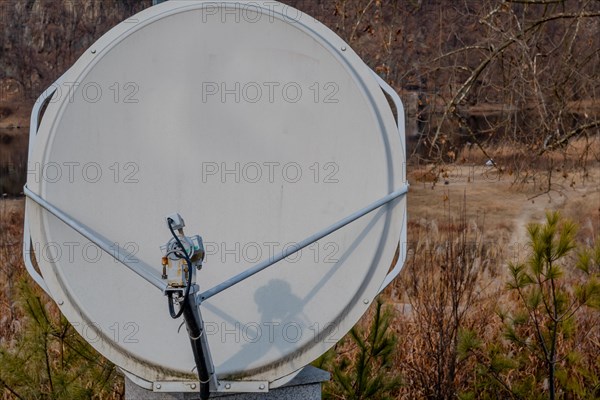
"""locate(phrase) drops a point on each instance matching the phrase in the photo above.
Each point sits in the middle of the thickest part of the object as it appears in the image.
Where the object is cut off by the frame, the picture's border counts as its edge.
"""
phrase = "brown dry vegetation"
(11, 267)
(466, 224)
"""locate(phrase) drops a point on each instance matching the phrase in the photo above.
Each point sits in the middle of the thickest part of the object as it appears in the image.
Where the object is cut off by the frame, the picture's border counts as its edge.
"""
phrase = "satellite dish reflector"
(261, 128)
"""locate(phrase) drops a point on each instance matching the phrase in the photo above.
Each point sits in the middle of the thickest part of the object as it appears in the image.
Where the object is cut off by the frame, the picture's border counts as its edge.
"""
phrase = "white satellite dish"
(267, 133)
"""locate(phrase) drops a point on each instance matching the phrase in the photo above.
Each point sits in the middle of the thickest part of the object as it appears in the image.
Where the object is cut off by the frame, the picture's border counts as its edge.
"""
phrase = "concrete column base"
(305, 386)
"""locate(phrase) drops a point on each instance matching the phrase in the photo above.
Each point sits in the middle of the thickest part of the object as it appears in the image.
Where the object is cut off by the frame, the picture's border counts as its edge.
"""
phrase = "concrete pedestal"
(305, 386)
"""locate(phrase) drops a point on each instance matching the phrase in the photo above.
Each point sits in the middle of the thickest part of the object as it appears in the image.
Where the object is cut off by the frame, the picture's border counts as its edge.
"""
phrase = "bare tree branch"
(465, 88)
(565, 138)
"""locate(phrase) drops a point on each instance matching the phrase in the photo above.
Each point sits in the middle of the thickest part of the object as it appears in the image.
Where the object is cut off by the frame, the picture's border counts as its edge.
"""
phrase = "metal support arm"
(302, 244)
(121, 255)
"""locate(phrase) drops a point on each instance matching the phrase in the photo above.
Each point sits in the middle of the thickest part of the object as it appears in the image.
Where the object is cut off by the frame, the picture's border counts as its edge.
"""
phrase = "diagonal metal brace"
(300, 245)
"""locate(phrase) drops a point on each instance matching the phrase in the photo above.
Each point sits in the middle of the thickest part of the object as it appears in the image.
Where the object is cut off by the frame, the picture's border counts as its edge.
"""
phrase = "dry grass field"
(517, 195)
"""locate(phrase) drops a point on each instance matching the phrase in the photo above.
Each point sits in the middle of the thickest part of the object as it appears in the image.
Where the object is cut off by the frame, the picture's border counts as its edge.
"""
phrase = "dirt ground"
(505, 203)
